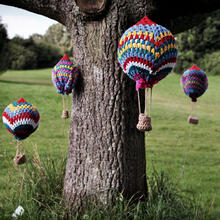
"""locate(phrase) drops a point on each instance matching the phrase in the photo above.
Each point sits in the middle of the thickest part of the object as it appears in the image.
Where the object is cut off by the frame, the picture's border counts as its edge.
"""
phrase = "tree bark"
(106, 151)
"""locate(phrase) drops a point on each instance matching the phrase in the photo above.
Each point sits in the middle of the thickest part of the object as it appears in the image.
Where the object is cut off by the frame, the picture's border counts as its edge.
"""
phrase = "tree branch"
(182, 15)
(175, 15)
(50, 8)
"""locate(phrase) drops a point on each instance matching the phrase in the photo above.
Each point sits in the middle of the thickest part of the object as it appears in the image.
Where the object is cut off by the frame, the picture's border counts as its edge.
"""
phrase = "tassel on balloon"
(147, 53)
(64, 78)
(21, 119)
(194, 83)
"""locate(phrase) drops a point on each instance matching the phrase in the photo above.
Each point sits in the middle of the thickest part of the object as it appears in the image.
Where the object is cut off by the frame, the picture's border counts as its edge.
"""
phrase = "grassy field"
(189, 153)
(51, 137)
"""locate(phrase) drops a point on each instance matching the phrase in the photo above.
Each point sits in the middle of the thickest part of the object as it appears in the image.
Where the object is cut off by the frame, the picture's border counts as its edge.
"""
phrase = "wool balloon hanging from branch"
(21, 119)
(147, 53)
(64, 78)
(194, 83)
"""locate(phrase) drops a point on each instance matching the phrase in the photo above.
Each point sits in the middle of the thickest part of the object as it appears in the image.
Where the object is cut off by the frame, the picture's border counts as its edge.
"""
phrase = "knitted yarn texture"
(147, 52)
(64, 75)
(21, 119)
(194, 82)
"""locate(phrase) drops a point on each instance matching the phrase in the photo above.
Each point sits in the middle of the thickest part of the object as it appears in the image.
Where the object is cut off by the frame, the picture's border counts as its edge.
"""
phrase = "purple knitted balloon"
(65, 75)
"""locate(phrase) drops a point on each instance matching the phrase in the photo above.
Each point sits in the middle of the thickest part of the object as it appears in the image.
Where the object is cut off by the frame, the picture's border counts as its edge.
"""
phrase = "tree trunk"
(106, 151)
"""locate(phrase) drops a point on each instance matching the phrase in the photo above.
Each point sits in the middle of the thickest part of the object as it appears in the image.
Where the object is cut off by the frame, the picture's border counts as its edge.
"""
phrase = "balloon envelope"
(147, 52)
(21, 119)
(194, 82)
(64, 75)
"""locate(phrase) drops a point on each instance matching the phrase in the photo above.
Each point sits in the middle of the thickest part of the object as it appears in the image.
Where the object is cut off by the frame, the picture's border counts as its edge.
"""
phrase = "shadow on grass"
(46, 83)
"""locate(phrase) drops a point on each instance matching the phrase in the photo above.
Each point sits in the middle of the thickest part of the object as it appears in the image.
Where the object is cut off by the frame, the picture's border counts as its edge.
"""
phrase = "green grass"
(42, 182)
(51, 137)
(172, 144)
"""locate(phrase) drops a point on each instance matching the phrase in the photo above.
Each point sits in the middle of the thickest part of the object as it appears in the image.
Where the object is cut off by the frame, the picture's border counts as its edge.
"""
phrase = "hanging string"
(144, 121)
(190, 143)
(194, 107)
(65, 116)
(63, 102)
(191, 119)
(146, 105)
(65, 113)
(18, 148)
(139, 102)
(146, 94)
(67, 102)
(150, 103)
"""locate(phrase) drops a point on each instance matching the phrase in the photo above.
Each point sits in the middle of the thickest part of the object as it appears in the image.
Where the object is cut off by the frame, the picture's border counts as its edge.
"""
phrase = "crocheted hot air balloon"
(194, 83)
(64, 78)
(147, 52)
(21, 119)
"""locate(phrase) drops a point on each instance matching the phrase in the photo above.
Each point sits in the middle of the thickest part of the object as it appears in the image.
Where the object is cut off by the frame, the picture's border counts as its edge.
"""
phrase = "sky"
(23, 23)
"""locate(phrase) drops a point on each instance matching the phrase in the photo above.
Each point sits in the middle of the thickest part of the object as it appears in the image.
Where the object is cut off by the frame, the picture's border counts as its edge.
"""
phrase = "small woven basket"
(144, 123)
(65, 114)
(19, 159)
(193, 120)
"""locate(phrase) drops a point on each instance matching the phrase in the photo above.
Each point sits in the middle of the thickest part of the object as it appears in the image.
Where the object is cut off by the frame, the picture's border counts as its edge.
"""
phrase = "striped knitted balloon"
(194, 82)
(147, 53)
(21, 119)
(64, 76)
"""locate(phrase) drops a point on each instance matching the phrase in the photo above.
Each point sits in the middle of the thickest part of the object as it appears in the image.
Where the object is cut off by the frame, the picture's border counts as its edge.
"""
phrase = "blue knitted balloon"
(194, 82)
(147, 53)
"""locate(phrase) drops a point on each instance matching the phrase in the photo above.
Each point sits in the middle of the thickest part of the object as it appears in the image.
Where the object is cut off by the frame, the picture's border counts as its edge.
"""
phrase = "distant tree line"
(35, 52)
(201, 46)
(3, 47)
